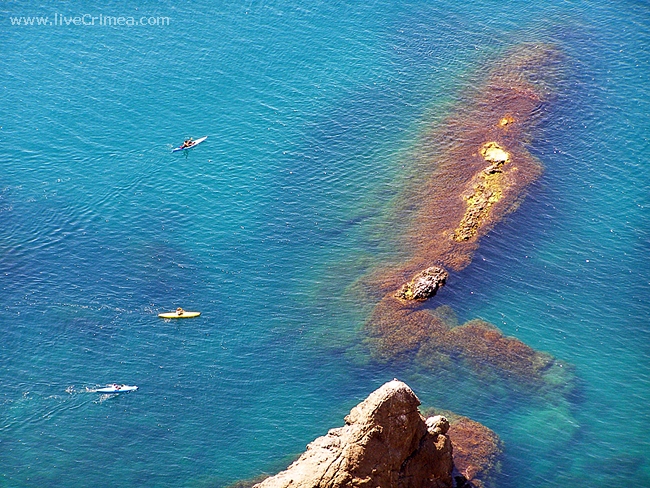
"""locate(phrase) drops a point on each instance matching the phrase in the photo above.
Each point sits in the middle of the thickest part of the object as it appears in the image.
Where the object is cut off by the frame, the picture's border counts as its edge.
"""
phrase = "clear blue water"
(312, 112)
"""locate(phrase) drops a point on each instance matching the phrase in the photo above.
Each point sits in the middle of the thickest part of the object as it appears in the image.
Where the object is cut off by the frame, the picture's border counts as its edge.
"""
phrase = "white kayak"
(194, 144)
(179, 315)
(115, 388)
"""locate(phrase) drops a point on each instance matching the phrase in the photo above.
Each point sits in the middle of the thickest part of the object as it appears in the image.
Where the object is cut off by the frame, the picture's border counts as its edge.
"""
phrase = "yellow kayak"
(179, 315)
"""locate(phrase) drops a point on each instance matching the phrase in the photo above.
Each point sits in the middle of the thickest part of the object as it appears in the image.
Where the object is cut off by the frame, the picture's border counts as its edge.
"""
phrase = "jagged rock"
(437, 425)
(487, 189)
(424, 285)
(494, 153)
(385, 443)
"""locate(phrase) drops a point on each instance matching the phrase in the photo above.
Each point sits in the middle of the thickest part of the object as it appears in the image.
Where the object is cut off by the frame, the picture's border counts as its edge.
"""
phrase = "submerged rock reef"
(475, 166)
(387, 442)
(474, 171)
(432, 338)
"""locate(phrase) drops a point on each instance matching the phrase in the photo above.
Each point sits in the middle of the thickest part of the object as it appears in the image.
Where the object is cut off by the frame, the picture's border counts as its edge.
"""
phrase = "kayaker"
(189, 142)
(179, 311)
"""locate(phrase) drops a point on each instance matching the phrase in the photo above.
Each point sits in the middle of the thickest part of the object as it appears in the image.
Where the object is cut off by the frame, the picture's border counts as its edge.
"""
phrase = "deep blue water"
(313, 111)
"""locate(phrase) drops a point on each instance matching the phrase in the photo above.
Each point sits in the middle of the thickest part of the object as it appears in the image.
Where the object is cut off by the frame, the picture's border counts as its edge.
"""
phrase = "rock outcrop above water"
(385, 442)
(487, 189)
(424, 285)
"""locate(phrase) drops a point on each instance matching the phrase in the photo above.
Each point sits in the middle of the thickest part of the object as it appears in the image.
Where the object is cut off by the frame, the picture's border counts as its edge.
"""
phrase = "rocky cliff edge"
(385, 442)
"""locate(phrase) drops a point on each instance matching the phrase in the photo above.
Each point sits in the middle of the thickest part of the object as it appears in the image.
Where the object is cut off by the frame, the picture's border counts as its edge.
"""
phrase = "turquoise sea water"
(313, 112)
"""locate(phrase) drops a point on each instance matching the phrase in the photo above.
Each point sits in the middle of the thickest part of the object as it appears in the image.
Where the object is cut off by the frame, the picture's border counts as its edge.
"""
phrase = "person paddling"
(188, 143)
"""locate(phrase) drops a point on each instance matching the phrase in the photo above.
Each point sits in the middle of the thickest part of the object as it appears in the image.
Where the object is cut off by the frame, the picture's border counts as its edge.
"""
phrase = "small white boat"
(191, 146)
(115, 388)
